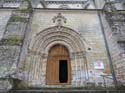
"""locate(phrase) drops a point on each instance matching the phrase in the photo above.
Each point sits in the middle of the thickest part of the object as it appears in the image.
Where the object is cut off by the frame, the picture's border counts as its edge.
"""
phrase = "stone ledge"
(66, 91)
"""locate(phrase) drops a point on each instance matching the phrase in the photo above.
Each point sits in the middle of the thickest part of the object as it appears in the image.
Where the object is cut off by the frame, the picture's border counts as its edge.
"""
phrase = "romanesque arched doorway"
(58, 66)
(43, 68)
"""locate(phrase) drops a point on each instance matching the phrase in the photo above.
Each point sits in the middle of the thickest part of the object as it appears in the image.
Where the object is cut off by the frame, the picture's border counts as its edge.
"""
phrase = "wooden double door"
(58, 66)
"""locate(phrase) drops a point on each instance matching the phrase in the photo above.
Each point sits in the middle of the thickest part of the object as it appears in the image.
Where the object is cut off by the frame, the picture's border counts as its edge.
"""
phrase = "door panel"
(57, 54)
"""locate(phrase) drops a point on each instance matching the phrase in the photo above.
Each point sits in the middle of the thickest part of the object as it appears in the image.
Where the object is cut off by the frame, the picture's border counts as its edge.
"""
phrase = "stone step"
(66, 91)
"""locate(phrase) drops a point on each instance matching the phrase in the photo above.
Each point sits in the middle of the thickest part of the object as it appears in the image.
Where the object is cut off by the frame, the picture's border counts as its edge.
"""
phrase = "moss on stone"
(17, 19)
(11, 41)
(24, 10)
(29, 8)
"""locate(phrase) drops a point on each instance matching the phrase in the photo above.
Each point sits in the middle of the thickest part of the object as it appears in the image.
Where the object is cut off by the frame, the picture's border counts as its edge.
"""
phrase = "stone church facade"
(65, 47)
(61, 30)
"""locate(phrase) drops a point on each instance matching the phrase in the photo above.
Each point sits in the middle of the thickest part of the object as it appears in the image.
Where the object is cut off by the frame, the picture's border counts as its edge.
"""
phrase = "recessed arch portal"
(57, 39)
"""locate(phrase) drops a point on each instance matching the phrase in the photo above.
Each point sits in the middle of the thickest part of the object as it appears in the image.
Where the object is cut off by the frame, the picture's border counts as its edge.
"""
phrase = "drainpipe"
(107, 49)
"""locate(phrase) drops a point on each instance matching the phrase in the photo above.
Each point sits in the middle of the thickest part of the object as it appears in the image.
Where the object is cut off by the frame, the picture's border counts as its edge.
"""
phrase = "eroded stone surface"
(45, 34)
(4, 17)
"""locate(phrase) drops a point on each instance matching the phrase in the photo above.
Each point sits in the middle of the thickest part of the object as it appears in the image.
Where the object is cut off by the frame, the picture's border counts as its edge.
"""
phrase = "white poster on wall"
(99, 65)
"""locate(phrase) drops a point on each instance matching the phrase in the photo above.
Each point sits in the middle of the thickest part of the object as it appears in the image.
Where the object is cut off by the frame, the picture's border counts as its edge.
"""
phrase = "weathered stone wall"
(115, 50)
(79, 30)
(100, 3)
(16, 29)
(4, 17)
(87, 25)
(11, 46)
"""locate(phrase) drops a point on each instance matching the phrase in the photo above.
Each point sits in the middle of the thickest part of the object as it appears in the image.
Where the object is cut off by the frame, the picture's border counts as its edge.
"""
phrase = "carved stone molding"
(59, 20)
(54, 34)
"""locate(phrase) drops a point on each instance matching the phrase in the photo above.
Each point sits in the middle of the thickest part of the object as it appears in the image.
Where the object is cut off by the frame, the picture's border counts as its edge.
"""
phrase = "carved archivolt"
(44, 40)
